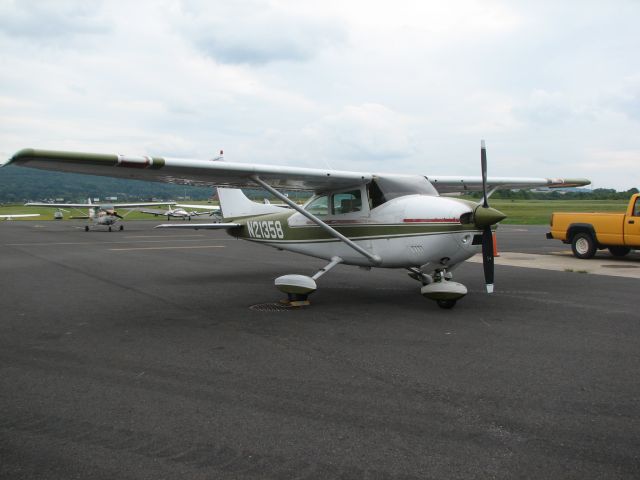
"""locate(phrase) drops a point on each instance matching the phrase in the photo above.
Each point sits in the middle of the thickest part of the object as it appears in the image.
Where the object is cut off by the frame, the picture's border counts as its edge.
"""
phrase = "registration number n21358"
(268, 229)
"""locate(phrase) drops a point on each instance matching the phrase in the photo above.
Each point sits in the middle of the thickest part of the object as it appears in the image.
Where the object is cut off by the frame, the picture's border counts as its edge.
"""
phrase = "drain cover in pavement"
(271, 307)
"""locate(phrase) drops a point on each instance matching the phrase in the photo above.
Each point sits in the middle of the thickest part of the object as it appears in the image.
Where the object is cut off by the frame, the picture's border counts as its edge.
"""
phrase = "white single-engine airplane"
(354, 218)
(100, 214)
(180, 212)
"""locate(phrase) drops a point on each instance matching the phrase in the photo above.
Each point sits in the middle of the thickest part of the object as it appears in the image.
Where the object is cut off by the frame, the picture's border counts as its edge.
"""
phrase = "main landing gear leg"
(299, 287)
(443, 290)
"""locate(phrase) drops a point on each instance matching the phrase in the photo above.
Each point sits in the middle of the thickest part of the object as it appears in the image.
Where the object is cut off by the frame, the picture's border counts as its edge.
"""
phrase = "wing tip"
(568, 182)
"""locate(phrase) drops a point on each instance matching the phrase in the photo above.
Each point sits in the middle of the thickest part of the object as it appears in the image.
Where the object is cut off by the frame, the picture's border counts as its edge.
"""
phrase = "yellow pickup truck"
(589, 232)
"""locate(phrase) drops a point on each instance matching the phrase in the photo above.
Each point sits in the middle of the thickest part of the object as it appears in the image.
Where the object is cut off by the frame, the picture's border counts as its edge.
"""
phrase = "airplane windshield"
(319, 206)
(385, 188)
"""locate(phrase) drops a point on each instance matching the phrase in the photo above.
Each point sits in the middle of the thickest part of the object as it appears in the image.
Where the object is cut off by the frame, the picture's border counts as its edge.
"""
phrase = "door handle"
(632, 221)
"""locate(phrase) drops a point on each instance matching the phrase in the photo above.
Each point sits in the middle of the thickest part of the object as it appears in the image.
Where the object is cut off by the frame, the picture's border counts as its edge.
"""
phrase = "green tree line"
(563, 194)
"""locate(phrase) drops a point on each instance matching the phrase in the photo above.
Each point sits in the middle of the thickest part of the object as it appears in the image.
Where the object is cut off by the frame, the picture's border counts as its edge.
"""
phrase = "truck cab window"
(636, 208)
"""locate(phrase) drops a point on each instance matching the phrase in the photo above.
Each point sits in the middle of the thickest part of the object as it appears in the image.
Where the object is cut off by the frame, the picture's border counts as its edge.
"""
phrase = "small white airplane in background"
(355, 218)
(19, 215)
(100, 214)
(180, 212)
(58, 214)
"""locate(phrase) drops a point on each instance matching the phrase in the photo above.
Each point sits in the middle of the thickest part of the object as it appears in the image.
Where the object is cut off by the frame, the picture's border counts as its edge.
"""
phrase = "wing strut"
(375, 259)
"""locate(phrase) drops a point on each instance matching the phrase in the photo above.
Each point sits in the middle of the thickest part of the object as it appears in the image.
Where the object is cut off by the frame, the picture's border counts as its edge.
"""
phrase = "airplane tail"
(235, 204)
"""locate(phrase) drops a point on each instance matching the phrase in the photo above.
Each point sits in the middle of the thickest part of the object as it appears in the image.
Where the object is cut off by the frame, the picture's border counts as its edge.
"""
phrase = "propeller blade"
(483, 161)
(487, 258)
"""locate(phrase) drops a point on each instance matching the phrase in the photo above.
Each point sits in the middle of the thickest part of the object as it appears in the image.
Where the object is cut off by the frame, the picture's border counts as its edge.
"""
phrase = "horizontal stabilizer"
(209, 208)
(19, 215)
(201, 226)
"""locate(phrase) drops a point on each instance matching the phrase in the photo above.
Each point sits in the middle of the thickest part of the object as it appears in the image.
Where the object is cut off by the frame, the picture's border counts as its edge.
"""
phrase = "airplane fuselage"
(103, 217)
(404, 232)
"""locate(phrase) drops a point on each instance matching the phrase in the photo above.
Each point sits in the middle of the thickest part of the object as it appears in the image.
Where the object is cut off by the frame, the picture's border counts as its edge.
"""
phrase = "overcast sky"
(394, 86)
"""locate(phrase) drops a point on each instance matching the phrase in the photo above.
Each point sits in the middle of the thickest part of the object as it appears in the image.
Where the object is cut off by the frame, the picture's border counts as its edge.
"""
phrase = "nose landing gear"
(440, 287)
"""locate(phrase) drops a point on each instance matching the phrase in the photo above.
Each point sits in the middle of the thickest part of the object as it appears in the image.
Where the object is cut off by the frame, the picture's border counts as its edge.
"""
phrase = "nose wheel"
(440, 287)
(446, 304)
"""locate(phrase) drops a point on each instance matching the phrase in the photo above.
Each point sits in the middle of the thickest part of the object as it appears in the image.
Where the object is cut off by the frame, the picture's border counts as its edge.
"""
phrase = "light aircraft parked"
(180, 212)
(100, 214)
(19, 215)
(58, 215)
(354, 218)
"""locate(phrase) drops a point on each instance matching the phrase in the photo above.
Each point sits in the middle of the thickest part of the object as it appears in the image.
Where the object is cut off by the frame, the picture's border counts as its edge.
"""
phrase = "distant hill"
(19, 185)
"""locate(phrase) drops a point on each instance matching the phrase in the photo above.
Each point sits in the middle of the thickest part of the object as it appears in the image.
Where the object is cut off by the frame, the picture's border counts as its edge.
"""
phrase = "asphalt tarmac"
(148, 354)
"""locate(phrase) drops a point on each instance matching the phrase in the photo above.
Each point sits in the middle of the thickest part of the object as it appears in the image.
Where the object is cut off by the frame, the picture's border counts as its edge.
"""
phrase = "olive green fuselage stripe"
(306, 233)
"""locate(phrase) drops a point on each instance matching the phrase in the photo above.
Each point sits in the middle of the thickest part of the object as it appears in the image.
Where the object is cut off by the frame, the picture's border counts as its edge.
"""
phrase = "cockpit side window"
(347, 202)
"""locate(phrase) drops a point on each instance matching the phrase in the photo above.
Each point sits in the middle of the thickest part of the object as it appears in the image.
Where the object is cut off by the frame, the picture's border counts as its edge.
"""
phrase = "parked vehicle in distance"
(589, 232)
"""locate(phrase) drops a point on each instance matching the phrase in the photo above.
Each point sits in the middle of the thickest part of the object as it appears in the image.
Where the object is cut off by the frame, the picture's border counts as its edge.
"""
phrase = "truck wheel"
(583, 246)
(619, 251)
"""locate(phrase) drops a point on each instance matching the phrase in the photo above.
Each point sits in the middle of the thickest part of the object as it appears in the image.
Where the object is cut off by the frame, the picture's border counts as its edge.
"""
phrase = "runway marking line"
(49, 244)
(164, 248)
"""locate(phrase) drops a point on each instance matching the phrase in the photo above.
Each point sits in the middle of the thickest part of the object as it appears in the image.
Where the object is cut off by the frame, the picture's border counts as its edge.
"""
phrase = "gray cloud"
(250, 33)
(47, 20)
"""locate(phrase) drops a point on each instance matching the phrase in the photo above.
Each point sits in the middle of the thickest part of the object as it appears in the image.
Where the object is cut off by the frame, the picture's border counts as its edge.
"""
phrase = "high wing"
(239, 175)
(98, 205)
(450, 184)
(187, 172)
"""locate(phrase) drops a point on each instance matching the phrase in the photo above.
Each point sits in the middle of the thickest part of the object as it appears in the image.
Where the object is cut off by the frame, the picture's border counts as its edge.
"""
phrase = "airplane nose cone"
(485, 217)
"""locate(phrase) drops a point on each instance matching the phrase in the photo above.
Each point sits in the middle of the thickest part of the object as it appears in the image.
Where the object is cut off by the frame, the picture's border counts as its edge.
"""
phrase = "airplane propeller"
(485, 216)
(115, 214)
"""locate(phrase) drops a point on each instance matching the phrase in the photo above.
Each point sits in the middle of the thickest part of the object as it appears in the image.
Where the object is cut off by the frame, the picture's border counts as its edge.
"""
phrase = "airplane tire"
(583, 246)
(619, 251)
(86, 228)
(109, 228)
(446, 304)
(121, 227)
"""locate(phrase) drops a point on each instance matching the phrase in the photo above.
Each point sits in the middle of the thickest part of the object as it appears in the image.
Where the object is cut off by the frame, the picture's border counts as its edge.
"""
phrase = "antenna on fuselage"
(219, 158)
